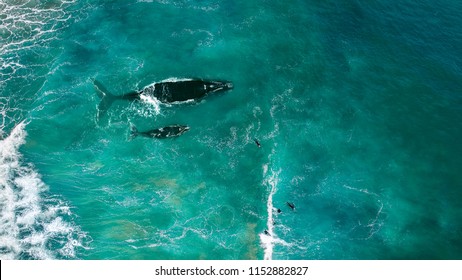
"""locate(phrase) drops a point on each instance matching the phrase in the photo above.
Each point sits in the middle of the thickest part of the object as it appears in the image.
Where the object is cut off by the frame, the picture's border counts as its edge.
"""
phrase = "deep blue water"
(357, 106)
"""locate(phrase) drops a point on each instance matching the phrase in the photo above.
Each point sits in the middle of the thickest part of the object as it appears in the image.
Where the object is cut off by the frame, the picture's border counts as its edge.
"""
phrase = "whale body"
(161, 133)
(167, 91)
(170, 91)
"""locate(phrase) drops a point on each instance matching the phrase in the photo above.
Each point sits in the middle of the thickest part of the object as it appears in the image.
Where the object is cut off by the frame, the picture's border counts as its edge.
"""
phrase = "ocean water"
(357, 106)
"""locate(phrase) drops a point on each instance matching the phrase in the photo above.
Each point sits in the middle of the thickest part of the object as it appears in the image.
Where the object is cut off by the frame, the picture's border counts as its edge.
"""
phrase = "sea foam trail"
(269, 239)
(33, 225)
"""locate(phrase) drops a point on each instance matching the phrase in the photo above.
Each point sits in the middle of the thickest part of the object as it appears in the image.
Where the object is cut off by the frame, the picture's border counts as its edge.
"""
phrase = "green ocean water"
(357, 106)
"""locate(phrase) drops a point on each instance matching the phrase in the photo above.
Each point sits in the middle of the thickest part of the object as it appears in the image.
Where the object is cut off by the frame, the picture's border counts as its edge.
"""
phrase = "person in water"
(291, 205)
(258, 143)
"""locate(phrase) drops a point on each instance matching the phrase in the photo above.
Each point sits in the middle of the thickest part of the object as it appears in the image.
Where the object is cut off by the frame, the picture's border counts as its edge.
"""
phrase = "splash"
(152, 109)
(33, 224)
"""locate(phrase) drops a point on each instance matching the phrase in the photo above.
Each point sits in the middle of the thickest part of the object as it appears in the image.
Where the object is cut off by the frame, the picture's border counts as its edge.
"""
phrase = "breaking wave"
(33, 223)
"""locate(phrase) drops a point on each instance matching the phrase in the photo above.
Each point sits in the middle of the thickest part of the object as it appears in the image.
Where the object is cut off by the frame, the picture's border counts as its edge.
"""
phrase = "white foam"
(154, 105)
(174, 79)
(30, 219)
(27, 25)
(268, 240)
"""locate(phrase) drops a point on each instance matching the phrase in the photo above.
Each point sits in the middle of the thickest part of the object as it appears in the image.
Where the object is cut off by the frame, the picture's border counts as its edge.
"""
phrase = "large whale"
(164, 132)
(167, 91)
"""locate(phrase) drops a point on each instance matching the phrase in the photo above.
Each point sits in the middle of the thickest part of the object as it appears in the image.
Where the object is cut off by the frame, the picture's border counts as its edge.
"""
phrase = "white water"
(271, 180)
(268, 240)
(33, 224)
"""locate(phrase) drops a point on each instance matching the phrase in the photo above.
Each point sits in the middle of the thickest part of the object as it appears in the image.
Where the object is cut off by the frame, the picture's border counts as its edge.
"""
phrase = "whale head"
(218, 86)
(182, 129)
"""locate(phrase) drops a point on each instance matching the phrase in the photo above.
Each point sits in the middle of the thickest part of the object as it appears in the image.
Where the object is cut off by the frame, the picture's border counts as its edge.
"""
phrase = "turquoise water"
(357, 106)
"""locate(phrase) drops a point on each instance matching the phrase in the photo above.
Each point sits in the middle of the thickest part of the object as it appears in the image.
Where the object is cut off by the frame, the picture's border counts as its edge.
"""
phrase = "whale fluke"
(106, 98)
(133, 132)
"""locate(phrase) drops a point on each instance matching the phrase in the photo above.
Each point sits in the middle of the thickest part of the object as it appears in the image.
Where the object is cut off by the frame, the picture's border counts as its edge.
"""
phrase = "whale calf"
(166, 91)
(164, 132)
